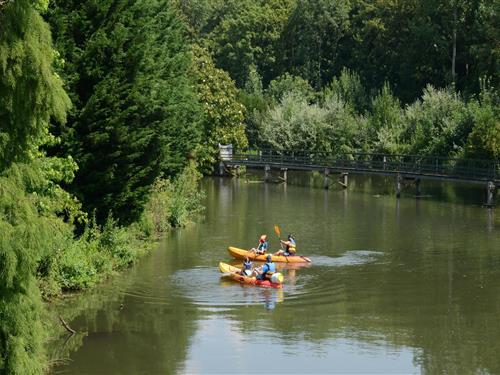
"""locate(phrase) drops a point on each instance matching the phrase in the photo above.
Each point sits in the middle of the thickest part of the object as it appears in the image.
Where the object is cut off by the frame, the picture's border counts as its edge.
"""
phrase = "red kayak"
(234, 274)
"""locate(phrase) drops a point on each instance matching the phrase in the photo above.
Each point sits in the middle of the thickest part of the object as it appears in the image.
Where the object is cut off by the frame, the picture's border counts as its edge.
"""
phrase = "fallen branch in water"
(68, 328)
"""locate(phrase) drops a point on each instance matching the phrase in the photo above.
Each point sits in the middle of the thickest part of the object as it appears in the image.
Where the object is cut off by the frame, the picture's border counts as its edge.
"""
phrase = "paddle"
(278, 232)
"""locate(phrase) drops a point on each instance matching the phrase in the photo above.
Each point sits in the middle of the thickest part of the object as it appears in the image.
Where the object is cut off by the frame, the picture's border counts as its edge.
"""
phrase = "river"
(408, 286)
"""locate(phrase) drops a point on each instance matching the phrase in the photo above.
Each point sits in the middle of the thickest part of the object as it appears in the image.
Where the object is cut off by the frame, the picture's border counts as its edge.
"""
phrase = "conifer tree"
(136, 115)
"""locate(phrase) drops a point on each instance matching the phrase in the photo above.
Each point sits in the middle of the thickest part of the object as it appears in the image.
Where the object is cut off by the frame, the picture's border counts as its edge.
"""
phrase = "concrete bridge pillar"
(267, 171)
(490, 193)
(399, 184)
(417, 187)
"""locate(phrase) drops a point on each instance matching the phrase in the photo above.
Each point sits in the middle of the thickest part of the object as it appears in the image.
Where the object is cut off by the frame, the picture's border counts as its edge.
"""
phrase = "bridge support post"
(221, 168)
(326, 181)
(417, 187)
(284, 178)
(399, 181)
(267, 170)
(490, 194)
(343, 179)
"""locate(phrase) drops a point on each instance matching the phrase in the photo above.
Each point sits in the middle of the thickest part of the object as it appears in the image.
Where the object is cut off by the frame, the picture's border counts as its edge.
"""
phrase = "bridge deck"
(437, 168)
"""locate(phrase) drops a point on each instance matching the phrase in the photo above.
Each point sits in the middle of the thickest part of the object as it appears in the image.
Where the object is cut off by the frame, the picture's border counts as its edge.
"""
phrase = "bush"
(287, 84)
(484, 140)
(294, 124)
(438, 125)
(173, 204)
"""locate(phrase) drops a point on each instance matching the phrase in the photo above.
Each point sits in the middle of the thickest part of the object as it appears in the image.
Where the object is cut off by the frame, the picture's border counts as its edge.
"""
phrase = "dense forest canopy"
(411, 76)
(409, 44)
(110, 109)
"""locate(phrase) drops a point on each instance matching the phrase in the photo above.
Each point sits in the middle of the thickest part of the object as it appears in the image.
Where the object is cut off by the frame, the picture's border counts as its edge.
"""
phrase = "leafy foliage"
(223, 122)
(30, 93)
(438, 123)
(295, 125)
(174, 203)
(483, 141)
(137, 115)
(288, 84)
(247, 35)
(387, 123)
(310, 39)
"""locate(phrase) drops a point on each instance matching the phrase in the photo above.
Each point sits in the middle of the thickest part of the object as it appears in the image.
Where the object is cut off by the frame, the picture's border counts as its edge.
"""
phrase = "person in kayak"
(290, 247)
(267, 269)
(262, 246)
(247, 267)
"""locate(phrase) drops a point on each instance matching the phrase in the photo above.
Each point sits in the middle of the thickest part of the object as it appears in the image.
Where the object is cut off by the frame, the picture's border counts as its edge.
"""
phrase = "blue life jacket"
(269, 267)
(247, 265)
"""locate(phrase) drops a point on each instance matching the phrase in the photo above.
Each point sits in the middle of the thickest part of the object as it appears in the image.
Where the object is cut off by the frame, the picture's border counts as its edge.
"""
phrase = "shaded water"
(408, 286)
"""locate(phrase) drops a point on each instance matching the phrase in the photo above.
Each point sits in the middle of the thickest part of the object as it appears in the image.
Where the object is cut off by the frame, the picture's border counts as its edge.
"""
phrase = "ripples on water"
(303, 286)
(349, 258)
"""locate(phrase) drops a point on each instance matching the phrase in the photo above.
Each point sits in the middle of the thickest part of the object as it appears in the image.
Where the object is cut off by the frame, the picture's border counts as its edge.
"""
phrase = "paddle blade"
(277, 230)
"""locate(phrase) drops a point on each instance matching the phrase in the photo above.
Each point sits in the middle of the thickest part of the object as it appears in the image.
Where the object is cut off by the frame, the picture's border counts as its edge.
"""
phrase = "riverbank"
(102, 252)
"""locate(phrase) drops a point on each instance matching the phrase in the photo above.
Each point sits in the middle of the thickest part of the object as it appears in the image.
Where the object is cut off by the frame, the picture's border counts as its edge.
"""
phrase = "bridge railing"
(410, 164)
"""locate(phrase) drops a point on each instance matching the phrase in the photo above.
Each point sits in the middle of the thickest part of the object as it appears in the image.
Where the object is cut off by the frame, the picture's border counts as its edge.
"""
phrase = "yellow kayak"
(234, 274)
(241, 254)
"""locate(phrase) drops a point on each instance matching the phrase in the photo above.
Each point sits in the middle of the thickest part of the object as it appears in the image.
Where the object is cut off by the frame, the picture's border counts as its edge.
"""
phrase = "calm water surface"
(396, 287)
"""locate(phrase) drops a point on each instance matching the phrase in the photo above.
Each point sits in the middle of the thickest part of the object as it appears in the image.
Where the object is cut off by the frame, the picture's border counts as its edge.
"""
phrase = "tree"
(247, 35)
(387, 123)
(310, 39)
(349, 88)
(294, 124)
(137, 116)
(288, 84)
(439, 124)
(223, 114)
(483, 141)
(30, 92)
(31, 95)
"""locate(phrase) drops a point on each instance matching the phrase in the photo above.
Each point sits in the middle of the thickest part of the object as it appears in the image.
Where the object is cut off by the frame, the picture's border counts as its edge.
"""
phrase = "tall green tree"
(247, 36)
(31, 95)
(30, 92)
(387, 123)
(223, 113)
(418, 42)
(310, 40)
(137, 116)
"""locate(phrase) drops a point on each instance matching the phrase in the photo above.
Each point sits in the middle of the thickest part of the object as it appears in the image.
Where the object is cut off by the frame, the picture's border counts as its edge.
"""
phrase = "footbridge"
(412, 168)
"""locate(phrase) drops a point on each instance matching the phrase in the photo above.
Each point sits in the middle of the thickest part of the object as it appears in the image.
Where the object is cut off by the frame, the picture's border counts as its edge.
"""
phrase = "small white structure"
(226, 152)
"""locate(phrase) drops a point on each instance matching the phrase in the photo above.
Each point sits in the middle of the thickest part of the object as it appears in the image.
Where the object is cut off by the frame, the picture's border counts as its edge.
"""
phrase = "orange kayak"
(234, 274)
(241, 254)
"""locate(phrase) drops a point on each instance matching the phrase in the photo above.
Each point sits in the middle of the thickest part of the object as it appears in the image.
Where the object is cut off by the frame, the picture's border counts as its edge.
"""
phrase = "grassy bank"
(101, 251)
(80, 263)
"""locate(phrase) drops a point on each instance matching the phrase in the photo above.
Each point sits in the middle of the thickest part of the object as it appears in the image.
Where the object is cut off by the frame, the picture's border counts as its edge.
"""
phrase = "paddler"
(267, 269)
(290, 247)
(262, 246)
(247, 267)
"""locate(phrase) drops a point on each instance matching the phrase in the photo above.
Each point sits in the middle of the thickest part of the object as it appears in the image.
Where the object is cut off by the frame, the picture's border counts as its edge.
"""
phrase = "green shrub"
(174, 204)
